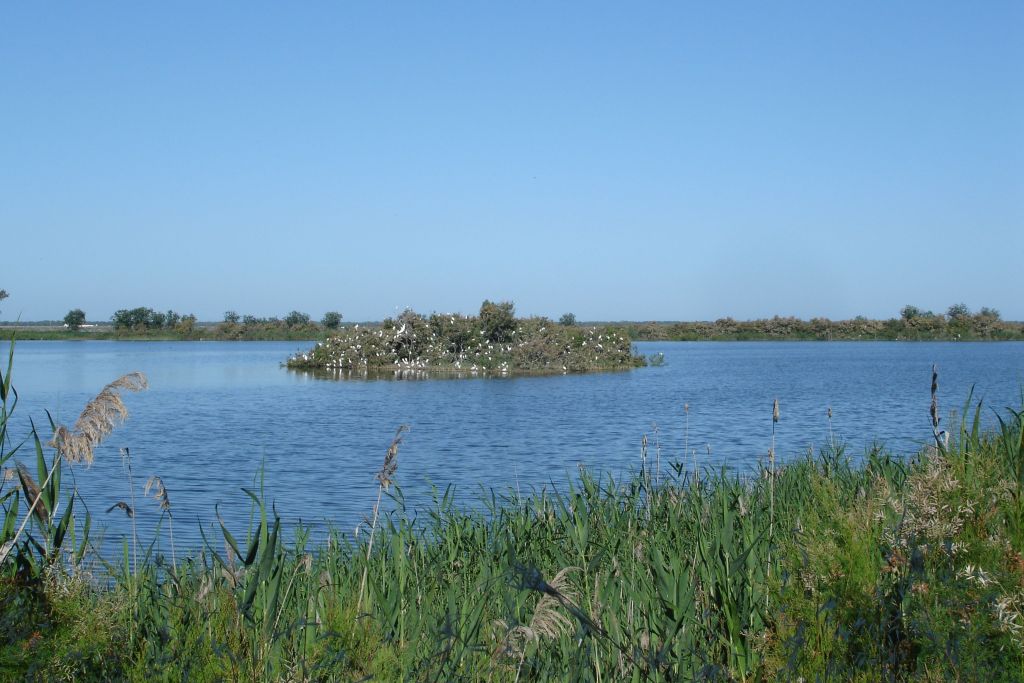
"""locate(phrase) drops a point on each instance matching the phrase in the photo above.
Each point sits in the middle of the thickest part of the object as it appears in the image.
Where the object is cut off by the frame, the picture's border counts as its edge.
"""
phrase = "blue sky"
(620, 160)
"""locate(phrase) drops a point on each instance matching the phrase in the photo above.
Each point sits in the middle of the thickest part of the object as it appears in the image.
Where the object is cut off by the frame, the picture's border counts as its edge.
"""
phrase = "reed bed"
(819, 567)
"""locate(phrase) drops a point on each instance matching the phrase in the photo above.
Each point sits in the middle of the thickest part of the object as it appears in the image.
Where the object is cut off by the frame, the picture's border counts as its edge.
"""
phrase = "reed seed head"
(775, 411)
(159, 492)
(390, 466)
(98, 419)
(830, 412)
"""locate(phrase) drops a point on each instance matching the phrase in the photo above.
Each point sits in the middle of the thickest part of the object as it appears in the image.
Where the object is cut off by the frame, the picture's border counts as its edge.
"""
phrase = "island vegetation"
(825, 567)
(494, 342)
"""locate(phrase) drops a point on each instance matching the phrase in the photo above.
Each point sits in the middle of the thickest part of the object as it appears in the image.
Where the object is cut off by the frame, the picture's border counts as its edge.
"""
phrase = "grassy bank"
(495, 342)
(887, 568)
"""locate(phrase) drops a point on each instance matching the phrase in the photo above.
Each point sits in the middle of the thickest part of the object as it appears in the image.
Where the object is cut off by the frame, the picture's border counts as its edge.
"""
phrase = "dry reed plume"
(547, 620)
(98, 419)
(387, 471)
(390, 466)
(156, 484)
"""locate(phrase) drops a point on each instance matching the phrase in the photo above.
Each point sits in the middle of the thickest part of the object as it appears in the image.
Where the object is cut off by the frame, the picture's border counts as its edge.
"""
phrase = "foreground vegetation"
(822, 569)
(494, 342)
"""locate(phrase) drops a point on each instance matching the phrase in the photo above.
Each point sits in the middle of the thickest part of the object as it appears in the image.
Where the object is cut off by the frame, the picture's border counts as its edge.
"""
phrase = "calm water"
(216, 411)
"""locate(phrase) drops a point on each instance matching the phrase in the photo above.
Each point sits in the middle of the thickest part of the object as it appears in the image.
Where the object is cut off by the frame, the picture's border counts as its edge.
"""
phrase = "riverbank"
(882, 567)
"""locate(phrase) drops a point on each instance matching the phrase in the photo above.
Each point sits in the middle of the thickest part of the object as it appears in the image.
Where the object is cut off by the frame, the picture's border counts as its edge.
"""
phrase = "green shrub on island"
(495, 342)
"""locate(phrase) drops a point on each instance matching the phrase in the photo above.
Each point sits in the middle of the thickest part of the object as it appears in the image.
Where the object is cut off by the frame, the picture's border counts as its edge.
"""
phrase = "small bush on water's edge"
(900, 569)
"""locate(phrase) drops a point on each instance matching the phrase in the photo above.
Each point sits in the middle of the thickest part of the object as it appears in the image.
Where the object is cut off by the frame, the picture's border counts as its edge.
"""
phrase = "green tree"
(74, 319)
(135, 318)
(231, 318)
(3, 294)
(331, 320)
(567, 319)
(186, 325)
(958, 312)
(295, 318)
(498, 320)
(909, 312)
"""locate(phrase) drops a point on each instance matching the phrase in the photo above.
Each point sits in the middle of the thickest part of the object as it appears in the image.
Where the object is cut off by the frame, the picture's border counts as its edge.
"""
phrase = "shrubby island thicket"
(493, 342)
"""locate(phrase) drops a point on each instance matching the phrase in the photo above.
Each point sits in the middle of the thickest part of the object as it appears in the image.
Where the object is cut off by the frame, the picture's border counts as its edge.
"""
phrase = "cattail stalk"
(831, 438)
(934, 409)
(686, 439)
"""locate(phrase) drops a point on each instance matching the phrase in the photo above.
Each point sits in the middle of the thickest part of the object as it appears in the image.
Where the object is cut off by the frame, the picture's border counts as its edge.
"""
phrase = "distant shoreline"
(934, 328)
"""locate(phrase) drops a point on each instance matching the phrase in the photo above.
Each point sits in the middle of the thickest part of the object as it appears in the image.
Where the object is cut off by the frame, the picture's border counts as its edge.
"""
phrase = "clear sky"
(617, 160)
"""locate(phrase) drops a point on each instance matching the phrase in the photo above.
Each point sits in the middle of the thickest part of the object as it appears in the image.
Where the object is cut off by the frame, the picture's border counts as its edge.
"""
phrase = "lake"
(218, 412)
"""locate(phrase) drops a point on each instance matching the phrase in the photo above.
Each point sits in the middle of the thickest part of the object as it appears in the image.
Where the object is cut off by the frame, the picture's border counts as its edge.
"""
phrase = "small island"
(493, 343)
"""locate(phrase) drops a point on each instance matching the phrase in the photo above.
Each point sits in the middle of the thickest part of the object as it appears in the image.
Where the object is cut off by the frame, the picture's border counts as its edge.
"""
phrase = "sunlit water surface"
(217, 414)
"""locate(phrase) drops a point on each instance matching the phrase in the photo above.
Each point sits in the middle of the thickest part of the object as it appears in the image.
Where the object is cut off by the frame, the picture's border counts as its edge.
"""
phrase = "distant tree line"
(913, 323)
(295, 325)
(142, 319)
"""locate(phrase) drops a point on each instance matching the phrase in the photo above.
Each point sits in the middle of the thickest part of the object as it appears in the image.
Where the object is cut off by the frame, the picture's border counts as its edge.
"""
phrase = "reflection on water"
(218, 414)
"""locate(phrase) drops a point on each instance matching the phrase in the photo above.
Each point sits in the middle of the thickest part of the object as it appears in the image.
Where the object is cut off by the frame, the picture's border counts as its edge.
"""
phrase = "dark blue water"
(218, 412)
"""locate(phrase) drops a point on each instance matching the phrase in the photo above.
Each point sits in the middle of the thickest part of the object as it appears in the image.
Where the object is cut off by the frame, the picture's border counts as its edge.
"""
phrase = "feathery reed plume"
(387, 471)
(32, 493)
(98, 419)
(156, 484)
(160, 496)
(390, 466)
(547, 620)
(121, 505)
